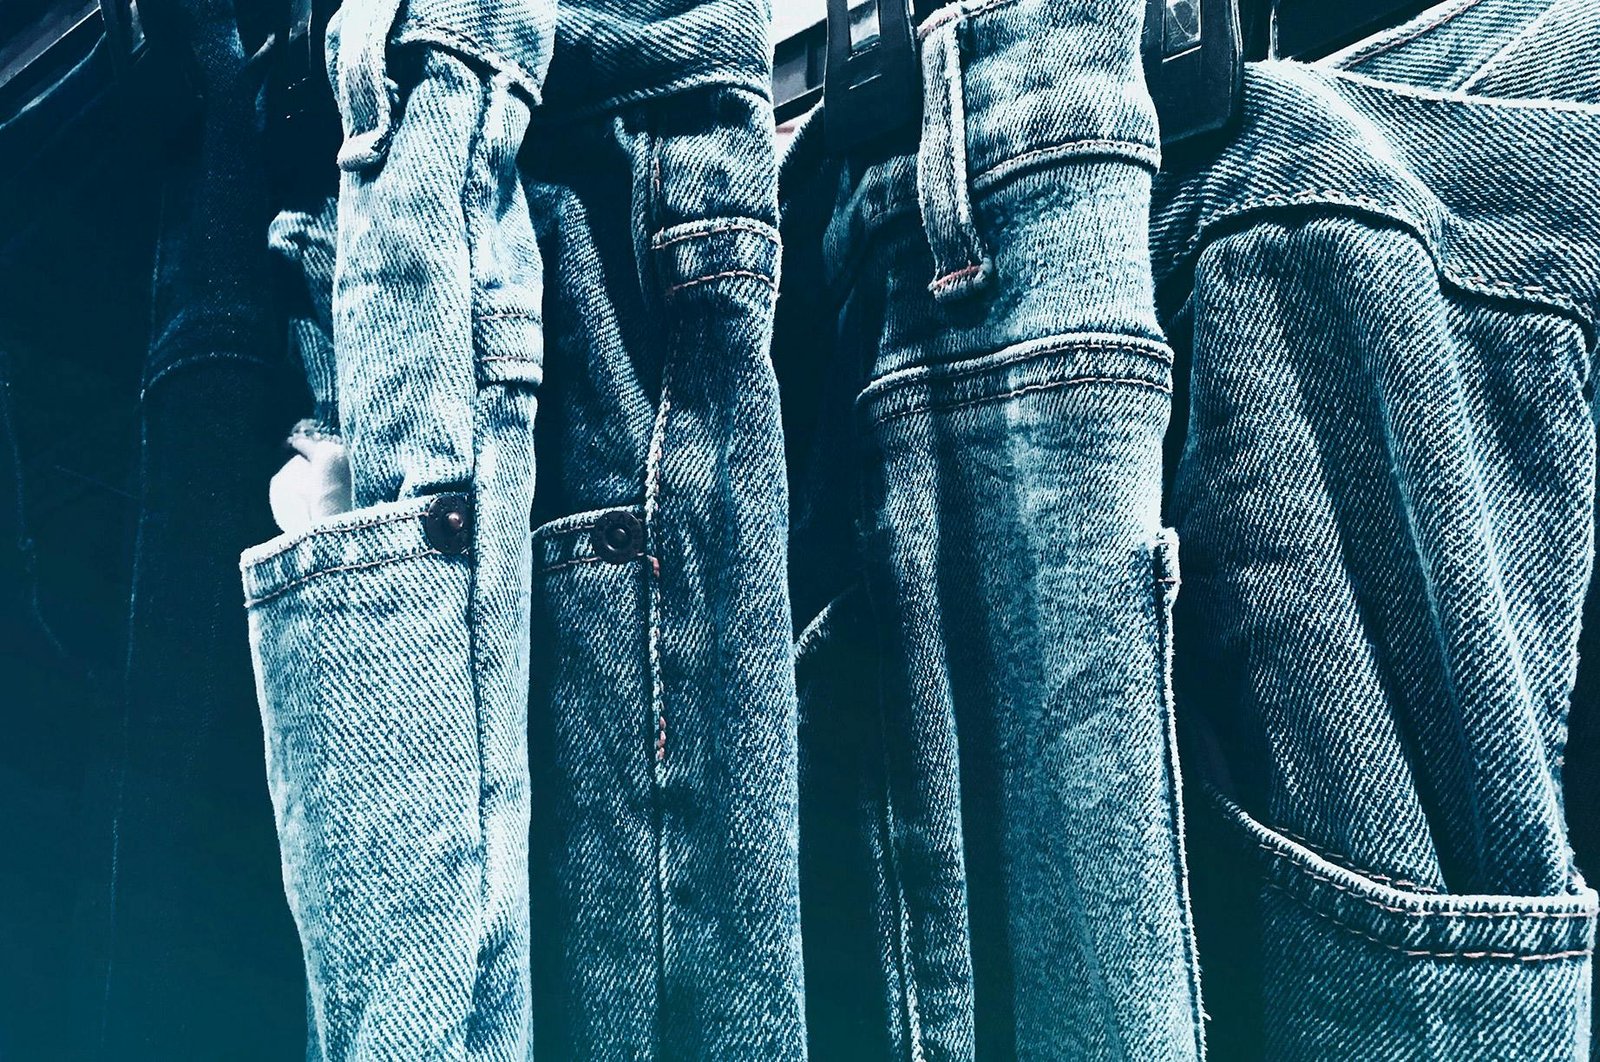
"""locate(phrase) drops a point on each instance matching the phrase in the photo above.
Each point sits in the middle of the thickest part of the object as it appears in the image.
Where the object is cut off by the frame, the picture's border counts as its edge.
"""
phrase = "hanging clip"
(873, 84)
(1193, 63)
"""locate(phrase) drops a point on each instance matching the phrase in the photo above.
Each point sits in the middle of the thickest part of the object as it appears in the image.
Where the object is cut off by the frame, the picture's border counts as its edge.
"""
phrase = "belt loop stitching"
(961, 262)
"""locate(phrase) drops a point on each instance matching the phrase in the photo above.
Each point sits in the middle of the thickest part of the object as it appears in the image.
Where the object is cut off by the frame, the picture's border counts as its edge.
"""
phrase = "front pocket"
(1354, 968)
(361, 647)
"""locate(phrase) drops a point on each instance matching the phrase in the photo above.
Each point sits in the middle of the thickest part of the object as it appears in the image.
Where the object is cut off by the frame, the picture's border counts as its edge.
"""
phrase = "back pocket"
(1356, 968)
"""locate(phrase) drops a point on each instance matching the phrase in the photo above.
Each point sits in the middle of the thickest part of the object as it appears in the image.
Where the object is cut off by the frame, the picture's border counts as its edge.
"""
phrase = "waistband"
(1046, 80)
(1036, 83)
(610, 53)
(1499, 190)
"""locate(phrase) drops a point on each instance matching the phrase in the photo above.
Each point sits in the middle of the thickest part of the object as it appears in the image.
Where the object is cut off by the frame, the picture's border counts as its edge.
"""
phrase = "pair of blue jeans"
(975, 393)
(618, 263)
(1383, 288)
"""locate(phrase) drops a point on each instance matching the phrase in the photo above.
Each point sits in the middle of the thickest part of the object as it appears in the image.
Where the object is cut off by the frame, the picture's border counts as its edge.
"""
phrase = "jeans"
(1381, 292)
(186, 869)
(661, 702)
(391, 641)
(975, 391)
(647, 760)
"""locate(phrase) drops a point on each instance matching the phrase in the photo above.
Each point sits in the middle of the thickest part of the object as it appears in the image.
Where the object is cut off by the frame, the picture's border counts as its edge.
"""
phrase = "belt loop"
(961, 262)
(357, 55)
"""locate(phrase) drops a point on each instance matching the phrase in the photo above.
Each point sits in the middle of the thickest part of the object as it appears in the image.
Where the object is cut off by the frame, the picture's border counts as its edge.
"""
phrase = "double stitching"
(1024, 353)
(962, 264)
(1382, 46)
(1423, 953)
(286, 587)
(882, 390)
(1409, 912)
(1053, 385)
(1346, 863)
(733, 226)
(376, 521)
(1328, 198)
(751, 274)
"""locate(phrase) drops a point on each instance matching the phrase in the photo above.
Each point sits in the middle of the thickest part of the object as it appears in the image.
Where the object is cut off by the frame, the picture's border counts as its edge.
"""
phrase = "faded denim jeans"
(391, 641)
(975, 394)
(1382, 291)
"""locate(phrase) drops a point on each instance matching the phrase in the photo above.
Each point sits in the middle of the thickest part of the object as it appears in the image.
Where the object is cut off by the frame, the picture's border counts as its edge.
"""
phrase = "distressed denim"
(1382, 293)
(392, 645)
(391, 642)
(661, 704)
(975, 395)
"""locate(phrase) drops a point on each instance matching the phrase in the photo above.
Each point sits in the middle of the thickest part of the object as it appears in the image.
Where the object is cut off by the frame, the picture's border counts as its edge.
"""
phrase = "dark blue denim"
(661, 712)
(185, 871)
(976, 391)
(1382, 291)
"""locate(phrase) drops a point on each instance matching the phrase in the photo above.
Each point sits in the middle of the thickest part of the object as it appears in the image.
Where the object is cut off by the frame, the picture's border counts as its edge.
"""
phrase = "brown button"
(618, 537)
(448, 523)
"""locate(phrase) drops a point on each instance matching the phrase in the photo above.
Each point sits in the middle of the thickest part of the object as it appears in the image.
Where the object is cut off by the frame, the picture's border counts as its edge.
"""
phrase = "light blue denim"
(658, 721)
(976, 390)
(1382, 291)
(391, 642)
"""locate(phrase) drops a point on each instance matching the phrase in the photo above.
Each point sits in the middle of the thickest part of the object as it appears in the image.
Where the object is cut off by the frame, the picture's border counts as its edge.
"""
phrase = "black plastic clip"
(873, 84)
(1193, 63)
(1193, 54)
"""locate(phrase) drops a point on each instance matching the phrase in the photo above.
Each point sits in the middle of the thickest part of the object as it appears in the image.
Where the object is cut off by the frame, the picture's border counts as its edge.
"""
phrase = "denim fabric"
(391, 641)
(661, 712)
(186, 864)
(976, 392)
(1382, 293)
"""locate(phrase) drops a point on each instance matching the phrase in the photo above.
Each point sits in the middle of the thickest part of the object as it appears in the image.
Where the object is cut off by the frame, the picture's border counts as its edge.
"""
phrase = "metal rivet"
(618, 537)
(448, 523)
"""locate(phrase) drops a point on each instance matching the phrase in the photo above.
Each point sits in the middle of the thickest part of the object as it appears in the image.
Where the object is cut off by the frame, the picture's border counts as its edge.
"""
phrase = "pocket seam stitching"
(288, 547)
(1020, 354)
(1052, 385)
(286, 587)
(1421, 953)
(1312, 872)
(1350, 865)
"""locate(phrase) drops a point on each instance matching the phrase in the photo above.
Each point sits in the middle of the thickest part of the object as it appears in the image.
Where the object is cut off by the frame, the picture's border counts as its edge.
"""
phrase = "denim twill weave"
(1382, 293)
(975, 393)
(391, 644)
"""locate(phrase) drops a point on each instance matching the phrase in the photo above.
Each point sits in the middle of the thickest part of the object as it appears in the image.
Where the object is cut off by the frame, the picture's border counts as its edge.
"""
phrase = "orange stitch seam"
(733, 226)
(951, 278)
(721, 276)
